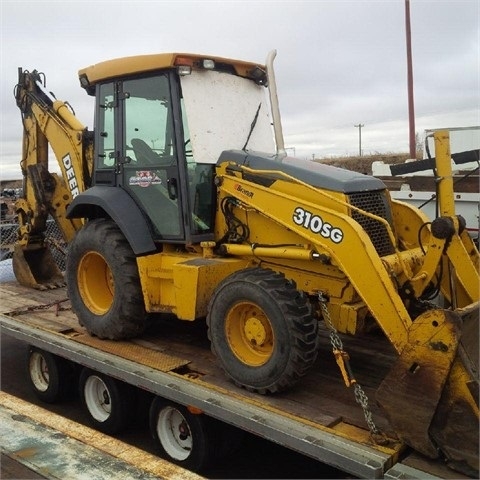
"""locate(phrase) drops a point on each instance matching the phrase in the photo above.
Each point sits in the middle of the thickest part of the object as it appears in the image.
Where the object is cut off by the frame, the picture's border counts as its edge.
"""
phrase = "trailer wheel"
(50, 376)
(103, 282)
(182, 437)
(109, 402)
(262, 330)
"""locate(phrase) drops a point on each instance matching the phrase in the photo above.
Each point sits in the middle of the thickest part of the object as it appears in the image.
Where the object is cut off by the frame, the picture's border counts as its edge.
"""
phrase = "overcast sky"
(339, 63)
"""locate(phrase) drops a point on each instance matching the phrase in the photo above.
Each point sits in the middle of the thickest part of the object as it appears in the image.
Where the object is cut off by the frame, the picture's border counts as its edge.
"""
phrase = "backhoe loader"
(183, 201)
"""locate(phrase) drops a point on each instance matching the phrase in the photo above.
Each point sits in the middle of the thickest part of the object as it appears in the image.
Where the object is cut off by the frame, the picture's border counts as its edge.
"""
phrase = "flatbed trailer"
(319, 418)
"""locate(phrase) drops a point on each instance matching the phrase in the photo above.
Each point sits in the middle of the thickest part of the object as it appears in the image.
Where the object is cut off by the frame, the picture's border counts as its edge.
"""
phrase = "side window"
(201, 194)
(150, 166)
(148, 121)
(106, 138)
(200, 186)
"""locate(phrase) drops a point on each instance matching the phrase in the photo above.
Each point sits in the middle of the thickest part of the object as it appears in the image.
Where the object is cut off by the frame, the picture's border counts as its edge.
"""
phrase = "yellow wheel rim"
(95, 283)
(249, 334)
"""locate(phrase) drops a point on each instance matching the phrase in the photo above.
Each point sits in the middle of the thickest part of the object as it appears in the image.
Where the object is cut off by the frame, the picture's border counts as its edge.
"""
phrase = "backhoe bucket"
(430, 396)
(35, 267)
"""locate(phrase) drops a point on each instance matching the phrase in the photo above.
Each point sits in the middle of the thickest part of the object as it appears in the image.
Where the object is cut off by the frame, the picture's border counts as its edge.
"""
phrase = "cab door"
(149, 159)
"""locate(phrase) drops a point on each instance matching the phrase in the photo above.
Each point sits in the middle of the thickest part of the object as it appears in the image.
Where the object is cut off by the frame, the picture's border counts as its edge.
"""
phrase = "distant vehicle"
(8, 193)
(416, 182)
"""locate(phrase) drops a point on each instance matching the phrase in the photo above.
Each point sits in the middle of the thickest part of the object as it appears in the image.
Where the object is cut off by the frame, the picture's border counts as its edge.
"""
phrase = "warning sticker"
(144, 178)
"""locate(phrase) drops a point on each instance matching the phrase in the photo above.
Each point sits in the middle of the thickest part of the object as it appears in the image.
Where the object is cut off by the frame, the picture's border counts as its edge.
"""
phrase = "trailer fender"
(121, 208)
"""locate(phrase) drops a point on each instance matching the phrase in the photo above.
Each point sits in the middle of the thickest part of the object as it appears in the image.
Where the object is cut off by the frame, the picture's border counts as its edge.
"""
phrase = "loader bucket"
(455, 427)
(430, 396)
(36, 268)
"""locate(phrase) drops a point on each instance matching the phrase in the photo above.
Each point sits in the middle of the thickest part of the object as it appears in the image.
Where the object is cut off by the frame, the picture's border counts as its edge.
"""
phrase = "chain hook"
(342, 358)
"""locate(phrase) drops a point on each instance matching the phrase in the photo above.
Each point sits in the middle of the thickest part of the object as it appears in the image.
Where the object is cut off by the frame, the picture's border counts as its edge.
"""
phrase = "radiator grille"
(376, 203)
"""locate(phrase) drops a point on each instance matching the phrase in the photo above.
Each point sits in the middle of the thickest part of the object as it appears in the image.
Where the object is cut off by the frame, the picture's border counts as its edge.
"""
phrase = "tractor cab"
(162, 122)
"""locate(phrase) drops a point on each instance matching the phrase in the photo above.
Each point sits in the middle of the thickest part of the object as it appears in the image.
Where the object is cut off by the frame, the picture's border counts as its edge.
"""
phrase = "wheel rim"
(249, 334)
(97, 398)
(95, 283)
(39, 372)
(174, 433)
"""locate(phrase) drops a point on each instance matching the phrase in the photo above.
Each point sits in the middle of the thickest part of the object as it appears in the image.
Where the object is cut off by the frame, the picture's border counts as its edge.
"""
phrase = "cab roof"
(126, 66)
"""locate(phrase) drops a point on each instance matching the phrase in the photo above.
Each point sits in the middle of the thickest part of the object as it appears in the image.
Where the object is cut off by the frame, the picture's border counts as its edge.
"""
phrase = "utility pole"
(359, 126)
(411, 112)
(291, 148)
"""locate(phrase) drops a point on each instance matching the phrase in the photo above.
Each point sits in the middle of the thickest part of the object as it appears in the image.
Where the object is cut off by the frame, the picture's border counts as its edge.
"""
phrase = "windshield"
(221, 109)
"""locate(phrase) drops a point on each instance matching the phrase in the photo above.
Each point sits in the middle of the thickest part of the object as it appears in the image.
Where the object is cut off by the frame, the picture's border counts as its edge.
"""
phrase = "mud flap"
(412, 389)
(36, 268)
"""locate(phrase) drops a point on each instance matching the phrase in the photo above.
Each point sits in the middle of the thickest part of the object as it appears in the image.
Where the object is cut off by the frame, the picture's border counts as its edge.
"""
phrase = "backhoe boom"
(47, 122)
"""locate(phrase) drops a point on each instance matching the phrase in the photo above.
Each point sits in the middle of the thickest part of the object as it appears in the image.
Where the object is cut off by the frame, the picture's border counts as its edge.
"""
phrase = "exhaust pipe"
(277, 121)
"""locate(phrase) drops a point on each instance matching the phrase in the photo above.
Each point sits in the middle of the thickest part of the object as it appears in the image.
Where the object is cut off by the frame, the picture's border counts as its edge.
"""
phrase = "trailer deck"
(318, 418)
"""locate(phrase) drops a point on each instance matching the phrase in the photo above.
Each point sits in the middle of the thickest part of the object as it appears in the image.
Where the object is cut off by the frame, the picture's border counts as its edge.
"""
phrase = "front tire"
(103, 282)
(262, 330)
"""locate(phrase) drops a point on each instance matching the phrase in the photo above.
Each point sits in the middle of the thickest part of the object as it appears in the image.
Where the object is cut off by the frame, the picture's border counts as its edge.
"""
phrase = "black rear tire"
(50, 377)
(109, 403)
(262, 330)
(182, 437)
(103, 282)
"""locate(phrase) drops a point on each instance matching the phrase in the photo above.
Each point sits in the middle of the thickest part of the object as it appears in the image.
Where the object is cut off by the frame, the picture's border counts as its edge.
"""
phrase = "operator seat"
(144, 154)
(146, 157)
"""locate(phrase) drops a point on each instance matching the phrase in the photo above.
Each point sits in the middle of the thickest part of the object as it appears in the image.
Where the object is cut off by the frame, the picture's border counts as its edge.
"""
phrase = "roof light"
(208, 64)
(259, 75)
(184, 70)
(84, 81)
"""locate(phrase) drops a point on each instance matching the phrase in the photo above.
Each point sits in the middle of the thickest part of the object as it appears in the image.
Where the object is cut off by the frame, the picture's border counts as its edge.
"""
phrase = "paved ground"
(11, 469)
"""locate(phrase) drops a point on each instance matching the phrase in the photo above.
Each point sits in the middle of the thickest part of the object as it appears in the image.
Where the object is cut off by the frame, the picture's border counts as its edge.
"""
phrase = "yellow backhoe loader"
(182, 200)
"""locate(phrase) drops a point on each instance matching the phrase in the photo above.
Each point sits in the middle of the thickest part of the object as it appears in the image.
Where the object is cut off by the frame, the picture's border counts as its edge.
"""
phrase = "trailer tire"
(103, 282)
(182, 437)
(50, 376)
(262, 330)
(108, 402)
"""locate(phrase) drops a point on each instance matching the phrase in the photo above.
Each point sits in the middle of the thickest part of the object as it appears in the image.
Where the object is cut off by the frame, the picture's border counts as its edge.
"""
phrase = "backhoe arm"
(47, 123)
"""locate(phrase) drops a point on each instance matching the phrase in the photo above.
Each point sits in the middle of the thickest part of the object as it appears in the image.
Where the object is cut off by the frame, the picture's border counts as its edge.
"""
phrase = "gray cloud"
(339, 63)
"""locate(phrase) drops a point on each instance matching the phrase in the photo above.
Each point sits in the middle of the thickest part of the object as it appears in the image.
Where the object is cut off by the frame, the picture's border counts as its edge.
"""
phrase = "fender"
(121, 208)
